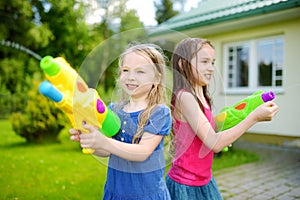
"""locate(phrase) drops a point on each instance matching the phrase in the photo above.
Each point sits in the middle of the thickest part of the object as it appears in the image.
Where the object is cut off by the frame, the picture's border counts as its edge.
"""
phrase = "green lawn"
(61, 171)
(54, 171)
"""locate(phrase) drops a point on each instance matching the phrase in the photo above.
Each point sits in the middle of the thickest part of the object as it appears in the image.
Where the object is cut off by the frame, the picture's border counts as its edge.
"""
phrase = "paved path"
(275, 176)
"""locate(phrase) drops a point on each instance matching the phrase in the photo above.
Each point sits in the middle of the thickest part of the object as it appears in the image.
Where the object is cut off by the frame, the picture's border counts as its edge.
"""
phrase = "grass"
(53, 171)
(61, 171)
(233, 158)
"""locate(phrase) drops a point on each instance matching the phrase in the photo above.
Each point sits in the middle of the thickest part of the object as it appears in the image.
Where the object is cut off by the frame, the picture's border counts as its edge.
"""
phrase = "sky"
(145, 10)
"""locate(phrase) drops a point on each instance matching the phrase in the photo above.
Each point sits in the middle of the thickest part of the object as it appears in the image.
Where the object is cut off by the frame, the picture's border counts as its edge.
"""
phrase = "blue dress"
(128, 180)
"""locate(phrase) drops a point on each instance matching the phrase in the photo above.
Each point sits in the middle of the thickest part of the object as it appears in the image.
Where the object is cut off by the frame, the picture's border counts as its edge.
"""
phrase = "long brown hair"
(182, 69)
(157, 94)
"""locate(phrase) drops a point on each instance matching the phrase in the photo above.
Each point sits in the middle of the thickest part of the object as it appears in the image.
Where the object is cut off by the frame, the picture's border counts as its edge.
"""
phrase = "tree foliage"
(164, 11)
(114, 41)
(69, 31)
(57, 28)
(47, 27)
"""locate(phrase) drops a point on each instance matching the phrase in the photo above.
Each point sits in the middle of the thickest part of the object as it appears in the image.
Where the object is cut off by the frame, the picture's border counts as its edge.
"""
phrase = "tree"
(57, 28)
(16, 65)
(164, 11)
(35, 24)
(103, 60)
(70, 32)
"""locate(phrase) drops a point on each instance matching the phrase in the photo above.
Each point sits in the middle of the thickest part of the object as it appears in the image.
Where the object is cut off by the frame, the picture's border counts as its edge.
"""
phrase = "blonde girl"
(136, 156)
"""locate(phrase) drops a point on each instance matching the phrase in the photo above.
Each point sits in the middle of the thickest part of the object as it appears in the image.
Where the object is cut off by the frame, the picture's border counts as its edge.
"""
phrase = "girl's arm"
(133, 152)
(101, 153)
(192, 114)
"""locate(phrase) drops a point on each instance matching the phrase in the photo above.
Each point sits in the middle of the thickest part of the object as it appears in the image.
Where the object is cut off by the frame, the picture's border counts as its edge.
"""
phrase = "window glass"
(269, 62)
(238, 66)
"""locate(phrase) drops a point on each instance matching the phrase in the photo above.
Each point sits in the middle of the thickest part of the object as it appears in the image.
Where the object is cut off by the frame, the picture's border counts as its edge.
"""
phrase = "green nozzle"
(111, 124)
(49, 66)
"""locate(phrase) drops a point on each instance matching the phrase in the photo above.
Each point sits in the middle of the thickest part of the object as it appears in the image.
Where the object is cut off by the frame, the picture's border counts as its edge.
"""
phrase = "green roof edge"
(264, 10)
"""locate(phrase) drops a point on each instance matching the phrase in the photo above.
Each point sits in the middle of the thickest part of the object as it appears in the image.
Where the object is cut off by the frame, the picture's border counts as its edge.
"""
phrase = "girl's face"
(203, 65)
(137, 75)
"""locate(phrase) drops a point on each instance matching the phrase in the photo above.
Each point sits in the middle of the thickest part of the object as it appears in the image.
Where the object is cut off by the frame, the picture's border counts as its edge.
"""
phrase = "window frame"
(253, 68)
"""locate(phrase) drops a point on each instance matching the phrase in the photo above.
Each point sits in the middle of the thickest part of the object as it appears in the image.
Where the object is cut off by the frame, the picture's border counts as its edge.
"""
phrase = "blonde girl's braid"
(144, 116)
(142, 121)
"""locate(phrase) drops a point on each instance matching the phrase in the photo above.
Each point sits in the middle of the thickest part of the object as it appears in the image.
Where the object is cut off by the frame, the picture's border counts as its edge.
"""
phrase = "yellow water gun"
(79, 102)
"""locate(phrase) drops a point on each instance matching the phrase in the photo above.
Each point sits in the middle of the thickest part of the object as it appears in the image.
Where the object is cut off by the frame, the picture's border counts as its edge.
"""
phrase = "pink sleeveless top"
(192, 164)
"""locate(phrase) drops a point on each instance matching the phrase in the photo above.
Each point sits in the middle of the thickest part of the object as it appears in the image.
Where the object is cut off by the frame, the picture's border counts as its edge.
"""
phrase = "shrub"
(41, 122)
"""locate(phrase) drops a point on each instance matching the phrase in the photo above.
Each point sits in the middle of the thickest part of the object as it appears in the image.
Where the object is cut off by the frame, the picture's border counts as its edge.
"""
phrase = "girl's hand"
(74, 134)
(89, 140)
(266, 111)
(93, 139)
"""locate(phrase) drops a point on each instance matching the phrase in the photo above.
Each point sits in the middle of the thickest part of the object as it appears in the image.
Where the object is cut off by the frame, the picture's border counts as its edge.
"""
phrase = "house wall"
(287, 121)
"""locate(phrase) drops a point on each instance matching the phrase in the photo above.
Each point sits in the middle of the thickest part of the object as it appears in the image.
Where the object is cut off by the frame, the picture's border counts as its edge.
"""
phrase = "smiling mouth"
(131, 86)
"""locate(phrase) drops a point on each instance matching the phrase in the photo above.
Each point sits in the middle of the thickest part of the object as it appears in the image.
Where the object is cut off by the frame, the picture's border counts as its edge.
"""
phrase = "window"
(253, 65)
